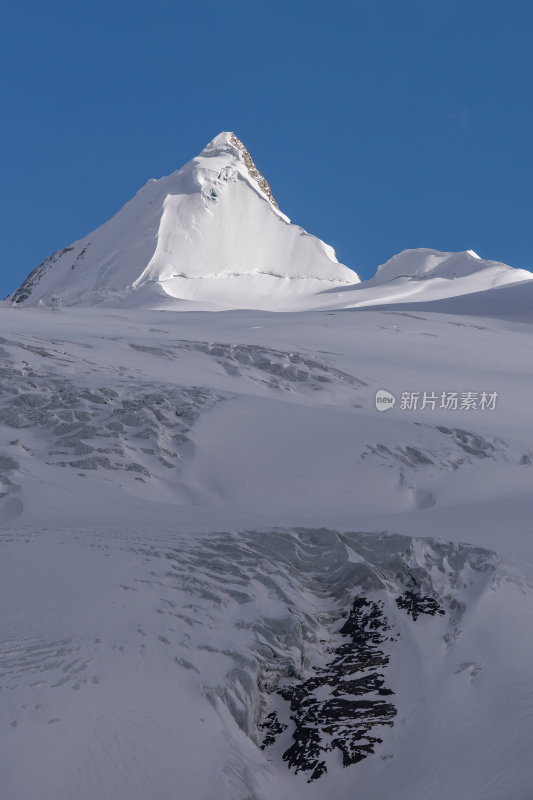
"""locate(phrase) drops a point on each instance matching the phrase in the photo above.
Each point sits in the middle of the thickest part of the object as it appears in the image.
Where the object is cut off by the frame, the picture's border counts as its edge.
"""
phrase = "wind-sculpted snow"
(442, 448)
(275, 368)
(117, 421)
(134, 427)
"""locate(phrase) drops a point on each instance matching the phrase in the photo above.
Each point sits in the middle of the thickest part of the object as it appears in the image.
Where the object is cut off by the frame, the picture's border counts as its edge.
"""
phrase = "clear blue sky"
(380, 125)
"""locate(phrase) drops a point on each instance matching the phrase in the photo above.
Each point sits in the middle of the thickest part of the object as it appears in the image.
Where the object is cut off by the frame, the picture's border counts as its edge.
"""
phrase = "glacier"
(223, 571)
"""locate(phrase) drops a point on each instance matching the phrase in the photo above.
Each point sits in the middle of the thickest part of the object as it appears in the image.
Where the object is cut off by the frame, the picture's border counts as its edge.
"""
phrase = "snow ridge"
(29, 284)
(253, 171)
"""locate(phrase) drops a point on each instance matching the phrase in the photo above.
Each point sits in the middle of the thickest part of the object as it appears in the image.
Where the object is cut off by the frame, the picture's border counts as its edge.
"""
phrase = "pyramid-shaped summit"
(228, 142)
(211, 232)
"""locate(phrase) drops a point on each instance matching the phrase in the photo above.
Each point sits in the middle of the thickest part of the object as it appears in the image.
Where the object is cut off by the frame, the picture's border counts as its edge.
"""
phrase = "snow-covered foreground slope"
(251, 418)
(512, 301)
(178, 584)
(177, 658)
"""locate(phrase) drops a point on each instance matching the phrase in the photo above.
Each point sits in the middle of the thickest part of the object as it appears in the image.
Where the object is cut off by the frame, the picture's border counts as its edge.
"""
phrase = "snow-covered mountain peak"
(211, 236)
(211, 232)
(425, 264)
(227, 143)
(220, 144)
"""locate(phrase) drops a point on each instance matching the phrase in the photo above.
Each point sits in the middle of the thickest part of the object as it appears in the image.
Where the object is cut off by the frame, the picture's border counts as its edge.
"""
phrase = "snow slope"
(211, 231)
(226, 569)
(512, 301)
(424, 264)
(419, 276)
(209, 533)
